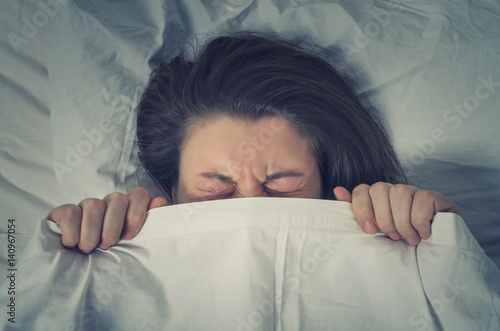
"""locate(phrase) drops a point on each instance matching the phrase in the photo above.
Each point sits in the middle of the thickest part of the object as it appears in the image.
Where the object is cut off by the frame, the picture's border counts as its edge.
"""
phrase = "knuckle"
(71, 213)
(93, 204)
(139, 192)
(117, 198)
(398, 190)
(378, 188)
(423, 195)
(360, 188)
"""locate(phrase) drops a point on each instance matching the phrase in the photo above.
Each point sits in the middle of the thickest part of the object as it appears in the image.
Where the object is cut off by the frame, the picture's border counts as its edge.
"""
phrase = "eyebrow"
(275, 176)
(214, 175)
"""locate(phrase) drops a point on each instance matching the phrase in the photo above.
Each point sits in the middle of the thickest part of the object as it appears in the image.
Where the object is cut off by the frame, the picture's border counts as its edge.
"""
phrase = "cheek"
(181, 191)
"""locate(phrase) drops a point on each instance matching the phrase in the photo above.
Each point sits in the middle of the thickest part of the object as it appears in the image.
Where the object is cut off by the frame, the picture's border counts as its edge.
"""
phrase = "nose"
(262, 193)
(253, 190)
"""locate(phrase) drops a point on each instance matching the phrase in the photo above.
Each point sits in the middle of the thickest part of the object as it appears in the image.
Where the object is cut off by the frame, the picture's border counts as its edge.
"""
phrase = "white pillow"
(99, 70)
(96, 81)
(426, 70)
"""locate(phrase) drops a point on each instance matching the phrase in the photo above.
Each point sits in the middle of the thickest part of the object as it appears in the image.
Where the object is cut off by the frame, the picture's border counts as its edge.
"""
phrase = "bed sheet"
(432, 68)
(28, 186)
(260, 264)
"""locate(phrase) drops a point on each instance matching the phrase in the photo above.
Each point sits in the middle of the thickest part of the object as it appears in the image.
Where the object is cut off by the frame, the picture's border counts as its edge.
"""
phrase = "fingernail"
(424, 235)
(370, 227)
(394, 235)
(413, 240)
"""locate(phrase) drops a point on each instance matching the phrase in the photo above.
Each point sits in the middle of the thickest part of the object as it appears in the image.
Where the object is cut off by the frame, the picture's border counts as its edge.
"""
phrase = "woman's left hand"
(397, 210)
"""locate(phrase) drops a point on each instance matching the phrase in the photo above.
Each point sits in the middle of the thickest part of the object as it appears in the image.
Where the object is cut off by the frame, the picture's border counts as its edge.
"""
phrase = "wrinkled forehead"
(264, 130)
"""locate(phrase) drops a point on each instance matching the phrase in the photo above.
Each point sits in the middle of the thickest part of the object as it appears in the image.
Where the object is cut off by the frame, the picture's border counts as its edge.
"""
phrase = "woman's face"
(226, 158)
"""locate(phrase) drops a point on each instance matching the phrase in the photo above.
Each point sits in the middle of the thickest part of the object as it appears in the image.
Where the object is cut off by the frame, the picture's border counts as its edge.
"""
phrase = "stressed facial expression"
(224, 158)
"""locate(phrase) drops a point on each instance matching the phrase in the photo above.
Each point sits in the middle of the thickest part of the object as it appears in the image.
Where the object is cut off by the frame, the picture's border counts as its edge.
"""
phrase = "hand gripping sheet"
(258, 264)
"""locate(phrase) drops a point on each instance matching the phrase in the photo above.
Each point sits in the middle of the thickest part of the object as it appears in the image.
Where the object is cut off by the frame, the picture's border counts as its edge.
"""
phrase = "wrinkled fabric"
(431, 68)
(260, 264)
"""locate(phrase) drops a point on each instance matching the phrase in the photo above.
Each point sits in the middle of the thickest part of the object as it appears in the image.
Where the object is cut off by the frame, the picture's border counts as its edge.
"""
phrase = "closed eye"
(280, 193)
(220, 186)
(285, 183)
(218, 190)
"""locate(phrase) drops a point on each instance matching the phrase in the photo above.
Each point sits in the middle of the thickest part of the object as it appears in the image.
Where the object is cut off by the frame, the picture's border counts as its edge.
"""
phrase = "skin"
(226, 158)
(265, 158)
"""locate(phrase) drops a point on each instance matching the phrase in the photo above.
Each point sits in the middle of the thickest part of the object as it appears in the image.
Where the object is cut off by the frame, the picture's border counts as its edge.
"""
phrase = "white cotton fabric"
(420, 63)
(259, 264)
(86, 65)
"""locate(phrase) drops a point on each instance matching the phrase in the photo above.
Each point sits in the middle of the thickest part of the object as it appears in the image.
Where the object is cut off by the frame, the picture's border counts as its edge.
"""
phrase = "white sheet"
(28, 186)
(426, 58)
(418, 62)
(259, 264)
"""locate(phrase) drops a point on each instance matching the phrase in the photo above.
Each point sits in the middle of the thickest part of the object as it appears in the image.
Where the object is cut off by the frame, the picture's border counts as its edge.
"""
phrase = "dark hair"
(250, 76)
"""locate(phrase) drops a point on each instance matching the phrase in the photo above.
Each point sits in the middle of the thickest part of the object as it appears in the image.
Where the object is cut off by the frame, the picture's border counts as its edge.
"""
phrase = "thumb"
(157, 202)
(342, 194)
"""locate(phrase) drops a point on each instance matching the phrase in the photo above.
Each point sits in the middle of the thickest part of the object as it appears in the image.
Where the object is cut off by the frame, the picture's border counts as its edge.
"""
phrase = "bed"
(73, 71)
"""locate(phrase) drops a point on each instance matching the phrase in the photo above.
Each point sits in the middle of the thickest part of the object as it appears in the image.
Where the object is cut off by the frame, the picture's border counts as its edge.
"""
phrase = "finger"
(69, 219)
(362, 208)
(92, 219)
(443, 204)
(157, 202)
(57, 213)
(379, 194)
(342, 194)
(422, 212)
(114, 217)
(425, 205)
(401, 197)
(139, 200)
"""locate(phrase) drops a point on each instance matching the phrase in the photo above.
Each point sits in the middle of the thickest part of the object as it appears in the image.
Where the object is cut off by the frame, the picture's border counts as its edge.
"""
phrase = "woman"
(256, 116)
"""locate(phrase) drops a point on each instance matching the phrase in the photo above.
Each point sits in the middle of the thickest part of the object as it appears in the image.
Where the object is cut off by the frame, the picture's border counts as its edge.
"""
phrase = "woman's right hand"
(101, 223)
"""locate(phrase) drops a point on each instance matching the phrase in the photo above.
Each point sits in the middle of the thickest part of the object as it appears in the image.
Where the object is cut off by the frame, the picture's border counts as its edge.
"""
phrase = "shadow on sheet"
(259, 264)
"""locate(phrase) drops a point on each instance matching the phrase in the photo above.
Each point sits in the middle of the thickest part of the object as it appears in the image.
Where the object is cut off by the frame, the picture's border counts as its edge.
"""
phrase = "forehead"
(245, 150)
(222, 153)
(243, 140)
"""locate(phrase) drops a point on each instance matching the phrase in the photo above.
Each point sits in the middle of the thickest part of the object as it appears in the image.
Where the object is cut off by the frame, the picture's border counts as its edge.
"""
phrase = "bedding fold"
(259, 264)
